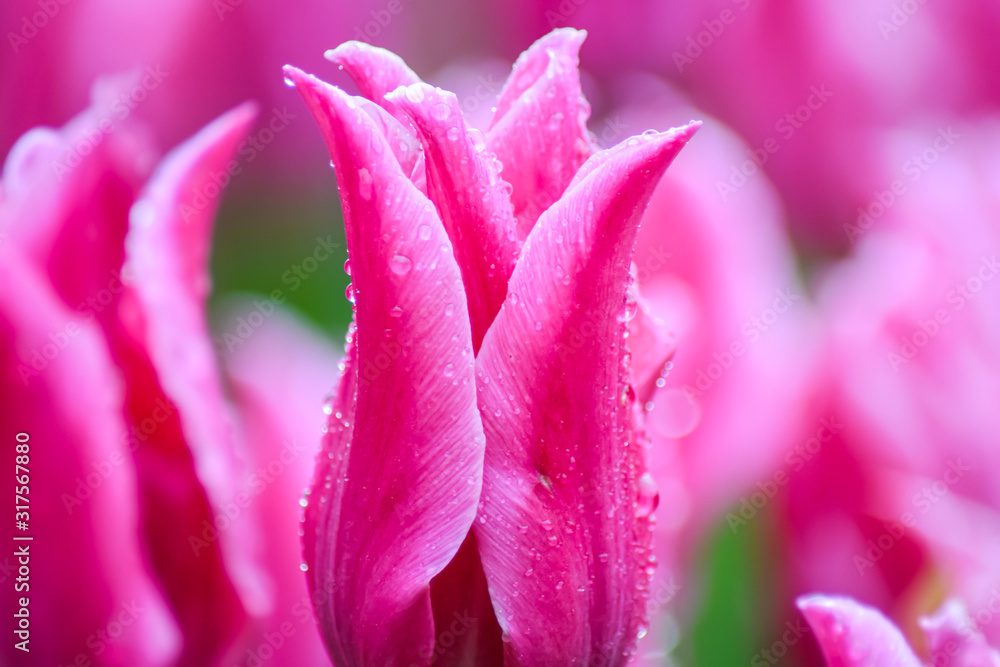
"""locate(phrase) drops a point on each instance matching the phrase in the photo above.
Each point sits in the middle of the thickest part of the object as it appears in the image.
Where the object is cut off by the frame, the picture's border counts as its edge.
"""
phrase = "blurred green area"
(736, 616)
(265, 243)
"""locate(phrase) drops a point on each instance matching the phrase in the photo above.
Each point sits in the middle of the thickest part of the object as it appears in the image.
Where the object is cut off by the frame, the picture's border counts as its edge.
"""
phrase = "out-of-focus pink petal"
(405, 444)
(539, 130)
(189, 468)
(854, 635)
(563, 526)
(952, 638)
(651, 345)
(474, 206)
(87, 569)
(68, 192)
(280, 376)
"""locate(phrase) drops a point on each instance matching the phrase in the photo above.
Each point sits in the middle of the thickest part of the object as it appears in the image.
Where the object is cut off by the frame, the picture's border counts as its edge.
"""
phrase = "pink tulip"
(482, 492)
(135, 469)
(855, 635)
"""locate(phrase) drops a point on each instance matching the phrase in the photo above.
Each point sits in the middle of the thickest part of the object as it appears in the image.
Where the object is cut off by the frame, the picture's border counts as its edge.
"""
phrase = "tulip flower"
(143, 552)
(855, 635)
(488, 383)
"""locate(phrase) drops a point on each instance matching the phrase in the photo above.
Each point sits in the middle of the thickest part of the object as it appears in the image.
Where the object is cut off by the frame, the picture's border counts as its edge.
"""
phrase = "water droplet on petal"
(364, 184)
(400, 264)
(424, 232)
(349, 292)
(347, 266)
(396, 312)
(449, 309)
(440, 111)
(649, 495)
(453, 134)
(449, 370)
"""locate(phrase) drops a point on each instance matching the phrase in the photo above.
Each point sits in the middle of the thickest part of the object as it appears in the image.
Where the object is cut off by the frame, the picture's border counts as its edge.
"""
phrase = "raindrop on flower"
(424, 232)
(400, 264)
(364, 184)
(453, 133)
(649, 495)
(440, 111)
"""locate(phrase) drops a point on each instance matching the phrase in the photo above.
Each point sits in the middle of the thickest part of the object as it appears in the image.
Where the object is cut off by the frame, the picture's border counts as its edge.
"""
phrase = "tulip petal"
(188, 465)
(465, 184)
(854, 635)
(563, 526)
(401, 464)
(374, 70)
(539, 130)
(952, 638)
(403, 142)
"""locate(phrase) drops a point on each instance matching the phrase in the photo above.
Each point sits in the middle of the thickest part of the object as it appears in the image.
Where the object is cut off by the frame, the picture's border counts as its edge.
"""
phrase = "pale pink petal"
(465, 185)
(401, 465)
(279, 377)
(651, 345)
(539, 131)
(563, 527)
(953, 638)
(855, 635)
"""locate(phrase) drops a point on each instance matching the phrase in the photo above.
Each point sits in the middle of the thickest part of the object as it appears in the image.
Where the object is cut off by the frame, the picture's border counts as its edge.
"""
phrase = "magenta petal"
(952, 638)
(401, 465)
(539, 130)
(375, 71)
(465, 184)
(854, 635)
(563, 527)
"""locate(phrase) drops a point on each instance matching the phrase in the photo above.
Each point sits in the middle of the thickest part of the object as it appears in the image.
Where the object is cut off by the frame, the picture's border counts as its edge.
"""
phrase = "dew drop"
(453, 134)
(347, 266)
(289, 82)
(424, 232)
(396, 312)
(449, 370)
(365, 184)
(449, 310)
(440, 111)
(400, 264)
(649, 495)
(555, 121)
(349, 292)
